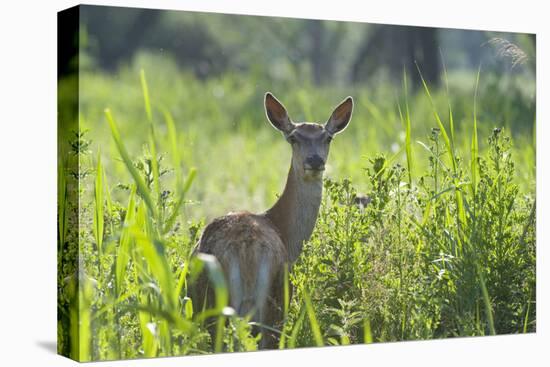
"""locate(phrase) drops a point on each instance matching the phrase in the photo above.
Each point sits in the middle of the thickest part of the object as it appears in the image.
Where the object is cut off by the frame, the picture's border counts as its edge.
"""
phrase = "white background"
(28, 182)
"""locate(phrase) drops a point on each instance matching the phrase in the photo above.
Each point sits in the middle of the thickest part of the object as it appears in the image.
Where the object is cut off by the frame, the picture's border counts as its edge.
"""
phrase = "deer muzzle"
(314, 163)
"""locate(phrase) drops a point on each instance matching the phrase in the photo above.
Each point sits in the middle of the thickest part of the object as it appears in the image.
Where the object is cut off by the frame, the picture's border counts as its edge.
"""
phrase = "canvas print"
(232, 183)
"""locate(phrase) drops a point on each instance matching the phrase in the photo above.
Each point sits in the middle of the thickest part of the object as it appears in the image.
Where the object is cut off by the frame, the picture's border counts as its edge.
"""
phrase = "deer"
(255, 250)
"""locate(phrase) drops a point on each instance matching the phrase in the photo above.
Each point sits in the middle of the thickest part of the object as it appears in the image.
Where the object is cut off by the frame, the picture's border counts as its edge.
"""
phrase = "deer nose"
(314, 162)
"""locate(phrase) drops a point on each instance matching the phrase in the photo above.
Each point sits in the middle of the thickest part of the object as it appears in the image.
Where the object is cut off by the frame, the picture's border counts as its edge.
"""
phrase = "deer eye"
(328, 138)
(291, 139)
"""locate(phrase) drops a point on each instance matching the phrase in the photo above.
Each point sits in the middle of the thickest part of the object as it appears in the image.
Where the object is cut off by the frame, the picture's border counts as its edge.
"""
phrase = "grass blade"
(286, 293)
(108, 200)
(439, 122)
(153, 253)
(181, 283)
(286, 304)
(217, 278)
(98, 212)
(451, 120)
(172, 218)
(526, 320)
(141, 186)
(297, 326)
(475, 146)
(123, 253)
(146, 99)
(215, 274)
(173, 137)
(152, 136)
(155, 168)
(406, 121)
(315, 329)
(486, 300)
(367, 334)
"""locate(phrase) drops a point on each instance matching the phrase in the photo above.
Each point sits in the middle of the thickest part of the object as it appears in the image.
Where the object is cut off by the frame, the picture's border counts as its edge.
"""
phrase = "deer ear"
(340, 117)
(277, 115)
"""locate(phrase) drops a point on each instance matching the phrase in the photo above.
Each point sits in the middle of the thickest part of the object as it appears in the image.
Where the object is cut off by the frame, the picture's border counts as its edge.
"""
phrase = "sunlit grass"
(444, 248)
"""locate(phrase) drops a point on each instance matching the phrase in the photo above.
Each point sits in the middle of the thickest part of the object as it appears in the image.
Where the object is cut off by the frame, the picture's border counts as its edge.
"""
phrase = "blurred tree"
(117, 32)
(395, 47)
(68, 41)
(290, 50)
(324, 44)
(150, 29)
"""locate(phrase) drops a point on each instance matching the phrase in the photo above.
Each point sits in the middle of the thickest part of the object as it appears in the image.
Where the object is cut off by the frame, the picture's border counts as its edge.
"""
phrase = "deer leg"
(263, 285)
(235, 284)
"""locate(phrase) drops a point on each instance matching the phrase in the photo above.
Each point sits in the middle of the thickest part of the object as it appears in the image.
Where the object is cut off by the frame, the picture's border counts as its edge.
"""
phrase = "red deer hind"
(254, 249)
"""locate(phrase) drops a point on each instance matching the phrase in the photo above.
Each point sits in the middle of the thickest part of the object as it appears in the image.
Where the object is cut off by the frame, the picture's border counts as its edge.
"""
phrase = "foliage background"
(209, 72)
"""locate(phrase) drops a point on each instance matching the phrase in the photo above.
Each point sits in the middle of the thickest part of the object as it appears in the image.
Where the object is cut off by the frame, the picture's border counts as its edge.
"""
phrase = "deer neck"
(295, 213)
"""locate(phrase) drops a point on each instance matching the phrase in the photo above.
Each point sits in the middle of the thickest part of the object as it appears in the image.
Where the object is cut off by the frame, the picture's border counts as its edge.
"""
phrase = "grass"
(446, 246)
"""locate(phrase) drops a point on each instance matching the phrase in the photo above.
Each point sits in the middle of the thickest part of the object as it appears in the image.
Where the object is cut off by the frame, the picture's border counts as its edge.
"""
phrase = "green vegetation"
(445, 247)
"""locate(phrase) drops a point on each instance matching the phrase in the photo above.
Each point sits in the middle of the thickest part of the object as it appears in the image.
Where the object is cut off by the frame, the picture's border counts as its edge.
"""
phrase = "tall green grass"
(446, 246)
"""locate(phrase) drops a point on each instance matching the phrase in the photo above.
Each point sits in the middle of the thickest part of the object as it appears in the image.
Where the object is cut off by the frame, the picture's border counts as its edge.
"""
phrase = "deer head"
(310, 141)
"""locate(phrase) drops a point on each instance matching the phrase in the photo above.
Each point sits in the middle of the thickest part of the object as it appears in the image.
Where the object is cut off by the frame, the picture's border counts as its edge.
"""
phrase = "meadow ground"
(446, 246)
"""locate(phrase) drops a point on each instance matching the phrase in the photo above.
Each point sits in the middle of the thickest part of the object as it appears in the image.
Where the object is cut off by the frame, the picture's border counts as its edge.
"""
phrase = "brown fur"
(245, 238)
